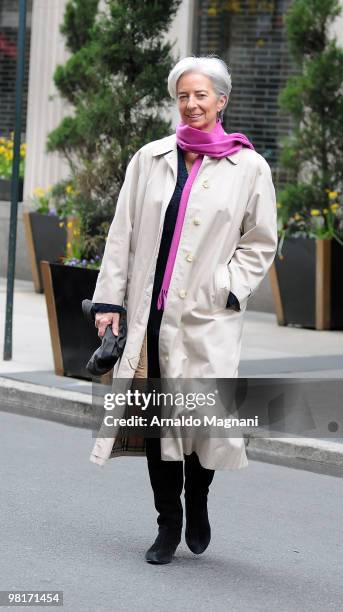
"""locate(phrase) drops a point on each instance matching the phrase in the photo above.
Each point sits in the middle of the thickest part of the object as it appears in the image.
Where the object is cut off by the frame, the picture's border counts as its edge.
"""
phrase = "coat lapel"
(171, 159)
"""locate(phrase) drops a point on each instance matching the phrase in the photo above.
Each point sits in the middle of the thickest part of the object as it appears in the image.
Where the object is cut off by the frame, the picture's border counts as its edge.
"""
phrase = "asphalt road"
(67, 524)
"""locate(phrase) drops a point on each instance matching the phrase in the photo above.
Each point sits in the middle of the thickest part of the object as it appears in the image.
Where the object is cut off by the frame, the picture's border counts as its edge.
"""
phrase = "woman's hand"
(103, 319)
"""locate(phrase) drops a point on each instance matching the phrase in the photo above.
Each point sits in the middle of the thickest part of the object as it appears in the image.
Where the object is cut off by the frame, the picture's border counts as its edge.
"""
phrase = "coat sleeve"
(256, 249)
(112, 279)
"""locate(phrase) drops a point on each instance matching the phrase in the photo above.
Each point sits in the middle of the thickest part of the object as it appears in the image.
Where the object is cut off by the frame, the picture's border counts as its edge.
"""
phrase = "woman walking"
(193, 235)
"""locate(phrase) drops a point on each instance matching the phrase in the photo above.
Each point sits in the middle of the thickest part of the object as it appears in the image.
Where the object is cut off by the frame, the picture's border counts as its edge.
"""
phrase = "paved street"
(70, 525)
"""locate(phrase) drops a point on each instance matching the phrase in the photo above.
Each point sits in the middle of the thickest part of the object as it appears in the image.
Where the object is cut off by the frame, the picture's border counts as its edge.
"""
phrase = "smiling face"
(197, 101)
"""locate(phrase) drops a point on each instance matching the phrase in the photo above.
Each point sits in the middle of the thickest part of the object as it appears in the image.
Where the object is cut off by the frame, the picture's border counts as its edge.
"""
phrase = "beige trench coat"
(228, 243)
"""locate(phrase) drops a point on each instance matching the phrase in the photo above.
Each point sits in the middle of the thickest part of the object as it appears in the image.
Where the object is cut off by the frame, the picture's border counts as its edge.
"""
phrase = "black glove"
(112, 347)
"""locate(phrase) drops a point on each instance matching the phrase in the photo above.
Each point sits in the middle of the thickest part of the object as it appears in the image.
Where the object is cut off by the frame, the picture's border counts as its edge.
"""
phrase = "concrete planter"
(73, 339)
(306, 284)
(46, 241)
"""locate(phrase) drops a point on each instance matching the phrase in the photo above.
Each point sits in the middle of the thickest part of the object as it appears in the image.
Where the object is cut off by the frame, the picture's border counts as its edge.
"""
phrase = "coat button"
(182, 293)
(190, 257)
(196, 221)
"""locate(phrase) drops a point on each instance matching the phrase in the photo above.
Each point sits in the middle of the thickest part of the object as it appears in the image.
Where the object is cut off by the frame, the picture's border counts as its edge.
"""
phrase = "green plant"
(65, 198)
(115, 81)
(6, 157)
(60, 199)
(41, 201)
(311, 205)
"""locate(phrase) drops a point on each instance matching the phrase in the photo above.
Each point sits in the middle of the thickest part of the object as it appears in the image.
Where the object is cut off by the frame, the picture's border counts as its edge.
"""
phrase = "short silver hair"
(210, 66)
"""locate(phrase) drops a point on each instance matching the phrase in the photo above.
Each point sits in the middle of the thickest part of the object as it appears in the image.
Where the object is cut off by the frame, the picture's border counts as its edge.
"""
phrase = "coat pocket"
(221, 285)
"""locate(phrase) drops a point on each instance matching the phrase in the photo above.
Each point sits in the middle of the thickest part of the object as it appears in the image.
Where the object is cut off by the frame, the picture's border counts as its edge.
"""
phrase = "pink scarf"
(214, 144)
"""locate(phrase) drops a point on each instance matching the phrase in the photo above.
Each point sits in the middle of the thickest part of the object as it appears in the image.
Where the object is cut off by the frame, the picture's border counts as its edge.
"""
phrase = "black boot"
(197, 482)
(166, 479)
(164, 547)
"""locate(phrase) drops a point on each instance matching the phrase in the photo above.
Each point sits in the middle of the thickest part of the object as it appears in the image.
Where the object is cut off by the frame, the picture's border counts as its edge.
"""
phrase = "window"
(8, 49)
(250, 36)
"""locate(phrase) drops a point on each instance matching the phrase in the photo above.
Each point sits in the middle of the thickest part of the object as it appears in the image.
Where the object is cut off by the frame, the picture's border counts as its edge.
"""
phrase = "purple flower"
(52, 211)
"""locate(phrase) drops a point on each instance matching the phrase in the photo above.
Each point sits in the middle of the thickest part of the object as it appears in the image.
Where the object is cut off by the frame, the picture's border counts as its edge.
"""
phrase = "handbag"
(112, 347)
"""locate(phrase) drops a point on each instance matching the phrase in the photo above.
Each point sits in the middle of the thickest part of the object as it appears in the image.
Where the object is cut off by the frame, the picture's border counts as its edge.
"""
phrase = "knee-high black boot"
(197, 482)
(166, 479)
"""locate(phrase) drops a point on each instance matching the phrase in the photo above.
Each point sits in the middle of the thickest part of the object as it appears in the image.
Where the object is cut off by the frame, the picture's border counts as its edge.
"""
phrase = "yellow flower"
(333, 195)
(2, 140)
(334, 207)
(212, 11)
(2, 150)
(9, 155)
(69, 245)
(61, 224)
(315, 212)
(297, 217)
(69, 189)
(325, 211)
(39, 192)
(70, 224)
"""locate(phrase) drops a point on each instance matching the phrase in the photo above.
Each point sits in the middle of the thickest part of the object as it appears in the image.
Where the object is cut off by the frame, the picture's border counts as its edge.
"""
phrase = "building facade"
(248, 34)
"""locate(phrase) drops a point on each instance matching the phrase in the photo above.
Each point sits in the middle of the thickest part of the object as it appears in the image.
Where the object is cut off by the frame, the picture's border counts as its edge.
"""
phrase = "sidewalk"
(29, 386)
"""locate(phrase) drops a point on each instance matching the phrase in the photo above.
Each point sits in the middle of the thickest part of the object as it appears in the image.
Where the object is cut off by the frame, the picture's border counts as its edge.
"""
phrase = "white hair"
(210, 66)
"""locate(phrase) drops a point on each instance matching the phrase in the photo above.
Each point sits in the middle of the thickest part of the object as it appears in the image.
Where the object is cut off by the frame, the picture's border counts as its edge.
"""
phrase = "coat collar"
(168, 144)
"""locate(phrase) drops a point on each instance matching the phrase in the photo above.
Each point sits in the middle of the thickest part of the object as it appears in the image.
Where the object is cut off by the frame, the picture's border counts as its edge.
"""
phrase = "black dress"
(155, 316)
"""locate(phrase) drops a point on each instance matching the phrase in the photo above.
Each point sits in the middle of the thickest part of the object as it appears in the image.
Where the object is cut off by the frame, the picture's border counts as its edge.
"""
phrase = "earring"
(219, 117)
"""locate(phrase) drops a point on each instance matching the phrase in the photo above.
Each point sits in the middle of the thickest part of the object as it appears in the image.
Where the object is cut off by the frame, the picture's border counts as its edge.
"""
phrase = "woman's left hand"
(103, 319)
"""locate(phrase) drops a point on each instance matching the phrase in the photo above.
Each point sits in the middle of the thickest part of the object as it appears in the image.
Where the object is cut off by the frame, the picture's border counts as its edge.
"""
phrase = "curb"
(76, 409)
(58, 405)
(303, 453)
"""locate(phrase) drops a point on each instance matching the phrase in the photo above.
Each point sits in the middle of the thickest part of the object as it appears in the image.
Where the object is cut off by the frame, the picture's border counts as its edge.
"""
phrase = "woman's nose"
(191, 102)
